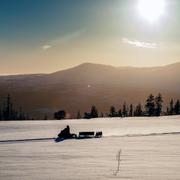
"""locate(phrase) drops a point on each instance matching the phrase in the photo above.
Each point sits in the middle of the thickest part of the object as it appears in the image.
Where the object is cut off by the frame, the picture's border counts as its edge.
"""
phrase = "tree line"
(8, 112)
(153, 107)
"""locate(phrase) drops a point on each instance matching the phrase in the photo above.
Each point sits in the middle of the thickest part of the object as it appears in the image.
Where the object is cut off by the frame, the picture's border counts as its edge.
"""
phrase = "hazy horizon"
(46, 36)
(130, 66)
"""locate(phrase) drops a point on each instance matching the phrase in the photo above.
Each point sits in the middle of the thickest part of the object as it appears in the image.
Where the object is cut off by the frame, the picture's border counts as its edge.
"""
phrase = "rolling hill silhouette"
(82, 86)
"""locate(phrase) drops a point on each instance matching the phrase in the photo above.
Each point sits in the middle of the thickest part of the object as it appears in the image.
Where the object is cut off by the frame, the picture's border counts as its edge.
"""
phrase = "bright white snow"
(152, 157)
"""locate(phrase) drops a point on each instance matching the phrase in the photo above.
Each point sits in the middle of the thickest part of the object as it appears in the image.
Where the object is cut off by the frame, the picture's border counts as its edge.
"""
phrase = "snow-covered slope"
(109, 126)
(152, 157)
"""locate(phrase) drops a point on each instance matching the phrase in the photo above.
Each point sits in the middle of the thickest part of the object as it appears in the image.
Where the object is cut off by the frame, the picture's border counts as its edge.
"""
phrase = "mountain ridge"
(80, 87)
(86, 64)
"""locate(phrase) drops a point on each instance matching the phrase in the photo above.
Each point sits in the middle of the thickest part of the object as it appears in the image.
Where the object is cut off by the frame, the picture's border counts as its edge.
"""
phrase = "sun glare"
(151, 10)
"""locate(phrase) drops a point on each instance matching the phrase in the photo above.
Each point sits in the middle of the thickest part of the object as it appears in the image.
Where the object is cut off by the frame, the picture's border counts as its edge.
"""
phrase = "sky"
(43, 36)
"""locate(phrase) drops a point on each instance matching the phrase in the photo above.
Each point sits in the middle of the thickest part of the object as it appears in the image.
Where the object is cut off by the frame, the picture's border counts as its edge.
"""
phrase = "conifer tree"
(150, 105)
(124, 112)
(94, 112)
(171, 107)
(8, 109)
(120, 113)
(0, 113)
(131, 110)
(102, 114)
(112, 112)
(158, 105)
(45, 117)
(78, 115)
(87, 115)
(177, 107)
(138, 111)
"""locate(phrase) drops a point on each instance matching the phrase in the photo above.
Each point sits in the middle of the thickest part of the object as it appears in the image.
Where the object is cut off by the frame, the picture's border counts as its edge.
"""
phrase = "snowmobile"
(62, 138)
(82, 135)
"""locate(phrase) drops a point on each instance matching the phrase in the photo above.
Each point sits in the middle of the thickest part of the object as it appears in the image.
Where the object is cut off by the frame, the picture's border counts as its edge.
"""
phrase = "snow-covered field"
(147, 153)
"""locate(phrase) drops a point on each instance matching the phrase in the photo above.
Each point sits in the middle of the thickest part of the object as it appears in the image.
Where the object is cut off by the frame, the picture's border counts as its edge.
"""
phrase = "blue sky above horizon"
(49, 35)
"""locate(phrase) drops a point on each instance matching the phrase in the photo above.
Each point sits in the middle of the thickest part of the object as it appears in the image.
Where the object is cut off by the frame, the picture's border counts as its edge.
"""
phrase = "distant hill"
(82, 86)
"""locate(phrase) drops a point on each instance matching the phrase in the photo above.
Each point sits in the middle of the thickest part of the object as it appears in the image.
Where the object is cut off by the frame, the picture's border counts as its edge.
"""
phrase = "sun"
(151, 10)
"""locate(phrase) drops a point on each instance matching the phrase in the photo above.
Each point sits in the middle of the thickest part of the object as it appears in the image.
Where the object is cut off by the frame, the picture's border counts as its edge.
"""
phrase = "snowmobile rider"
(65, 133)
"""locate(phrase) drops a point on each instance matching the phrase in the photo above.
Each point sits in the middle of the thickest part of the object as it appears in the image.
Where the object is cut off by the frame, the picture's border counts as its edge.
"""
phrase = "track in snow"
(53, 138)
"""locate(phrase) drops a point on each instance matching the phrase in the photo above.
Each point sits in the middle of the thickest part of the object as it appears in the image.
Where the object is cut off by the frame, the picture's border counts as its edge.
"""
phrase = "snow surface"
(147, 153)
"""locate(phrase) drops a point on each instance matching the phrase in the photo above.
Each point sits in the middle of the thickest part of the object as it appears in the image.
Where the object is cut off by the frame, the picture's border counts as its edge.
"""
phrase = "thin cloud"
(46, 47)
(63, 39)
(139, 43)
